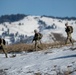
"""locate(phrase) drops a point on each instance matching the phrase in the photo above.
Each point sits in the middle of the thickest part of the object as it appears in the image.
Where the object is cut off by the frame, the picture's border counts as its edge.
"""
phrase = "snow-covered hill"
(56, 61)
(23, 30)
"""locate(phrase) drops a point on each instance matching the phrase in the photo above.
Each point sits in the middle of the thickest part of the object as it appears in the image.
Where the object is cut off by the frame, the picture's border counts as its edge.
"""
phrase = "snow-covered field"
(56, 61)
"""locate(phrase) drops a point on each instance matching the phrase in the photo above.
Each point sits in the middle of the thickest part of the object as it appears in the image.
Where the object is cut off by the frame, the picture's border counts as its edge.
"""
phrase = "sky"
(57, 8)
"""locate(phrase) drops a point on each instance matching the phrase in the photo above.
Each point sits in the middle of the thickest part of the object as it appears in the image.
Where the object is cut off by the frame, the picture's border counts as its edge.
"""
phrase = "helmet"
(66, 23)
(35, 30)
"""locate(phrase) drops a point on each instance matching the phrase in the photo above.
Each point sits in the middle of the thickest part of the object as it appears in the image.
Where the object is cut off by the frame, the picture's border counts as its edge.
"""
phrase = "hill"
(56, 61)
(20, 28)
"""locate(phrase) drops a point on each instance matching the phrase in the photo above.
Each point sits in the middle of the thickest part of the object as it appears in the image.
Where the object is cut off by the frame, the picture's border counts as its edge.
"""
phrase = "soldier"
(2, 46)
(37, 38)
(69, 31)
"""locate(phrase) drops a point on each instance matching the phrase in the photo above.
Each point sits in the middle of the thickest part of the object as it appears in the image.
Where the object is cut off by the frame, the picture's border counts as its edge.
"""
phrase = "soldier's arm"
(65, 29)
(33, 38)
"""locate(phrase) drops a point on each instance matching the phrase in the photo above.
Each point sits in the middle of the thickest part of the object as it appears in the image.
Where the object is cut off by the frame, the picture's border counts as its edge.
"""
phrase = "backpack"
(71, 29)
(2, 41)
(40, 36)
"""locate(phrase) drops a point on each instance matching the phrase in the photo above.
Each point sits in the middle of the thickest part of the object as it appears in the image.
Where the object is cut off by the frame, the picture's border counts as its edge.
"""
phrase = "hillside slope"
(23, 30)
(56, 61)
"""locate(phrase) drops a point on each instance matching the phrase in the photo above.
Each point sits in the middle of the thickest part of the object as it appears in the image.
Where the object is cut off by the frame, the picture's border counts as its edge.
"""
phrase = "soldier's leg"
(36, 45)
(66, 41)
(39, 44)
(71, 39)
(4, 51)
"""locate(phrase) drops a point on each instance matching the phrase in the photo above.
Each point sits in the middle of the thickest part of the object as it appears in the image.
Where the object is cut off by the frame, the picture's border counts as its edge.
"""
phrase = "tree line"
(62, 18)
(11, 18)
(17, 17)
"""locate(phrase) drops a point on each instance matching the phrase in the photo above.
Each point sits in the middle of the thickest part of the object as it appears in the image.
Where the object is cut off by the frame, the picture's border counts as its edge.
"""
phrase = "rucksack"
(40, 36)
(2, 41)
(71, 29)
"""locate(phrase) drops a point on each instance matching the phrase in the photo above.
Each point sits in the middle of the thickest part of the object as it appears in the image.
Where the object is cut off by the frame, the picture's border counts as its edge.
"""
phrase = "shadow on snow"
(62, 57)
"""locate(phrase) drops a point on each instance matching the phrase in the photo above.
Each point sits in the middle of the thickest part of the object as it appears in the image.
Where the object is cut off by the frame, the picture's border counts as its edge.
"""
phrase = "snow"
(51, 61)
(47, 62)
(27, 26)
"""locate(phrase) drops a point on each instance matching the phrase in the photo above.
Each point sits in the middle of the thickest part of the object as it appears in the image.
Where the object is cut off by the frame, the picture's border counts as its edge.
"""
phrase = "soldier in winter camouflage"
(2, 46)
(37, 38)
(69, 31)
